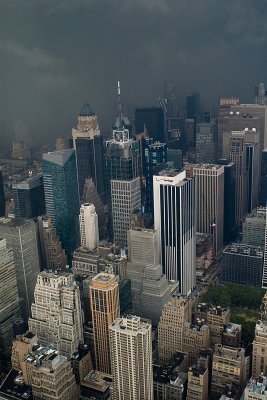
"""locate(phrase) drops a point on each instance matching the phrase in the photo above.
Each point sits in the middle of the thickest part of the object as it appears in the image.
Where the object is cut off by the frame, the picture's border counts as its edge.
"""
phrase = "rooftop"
(257, 386)
(244, 250)
(14, 387)
(15, 222)
(164, 374)
(86, 110)
(58, 157)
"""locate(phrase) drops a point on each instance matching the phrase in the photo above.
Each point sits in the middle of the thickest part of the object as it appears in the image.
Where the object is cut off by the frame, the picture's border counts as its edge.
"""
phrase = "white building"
(56, 312)
(131, 359)
(174, 219)
(89, 226)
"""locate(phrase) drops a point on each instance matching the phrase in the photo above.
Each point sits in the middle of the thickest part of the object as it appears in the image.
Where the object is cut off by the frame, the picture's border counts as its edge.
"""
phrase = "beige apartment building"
(198, 384)
(259, 355)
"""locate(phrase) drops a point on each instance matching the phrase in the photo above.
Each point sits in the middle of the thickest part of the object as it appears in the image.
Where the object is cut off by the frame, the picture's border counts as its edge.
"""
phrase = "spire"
(119, 102)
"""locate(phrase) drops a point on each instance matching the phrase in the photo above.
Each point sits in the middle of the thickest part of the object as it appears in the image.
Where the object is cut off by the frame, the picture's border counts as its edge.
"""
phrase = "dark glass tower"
(61, 196)
(29, 197)
(2, 196)
(88, 145)
(152, 119)
(229, 223)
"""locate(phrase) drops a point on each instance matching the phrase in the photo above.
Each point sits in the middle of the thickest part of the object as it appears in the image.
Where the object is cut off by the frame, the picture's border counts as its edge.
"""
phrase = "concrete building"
(206, 137)
(229, 367)
(264, 272)
(56, 312)
(259, 356)
(150, 288)
(96, 385)
(174, 220)
(50, 375)
(256, 389)
(131, 350)
(88, 146)
(232, 335)
(52, 254)
(253, 228)
(169, 382)
(196, 337)
(198, 384)
(224, 111)
(171, 327)
(242, 264)
(263, 179)
(9, 299)
(89, 226)
(20, 235)
(105, 308)
(209, 199)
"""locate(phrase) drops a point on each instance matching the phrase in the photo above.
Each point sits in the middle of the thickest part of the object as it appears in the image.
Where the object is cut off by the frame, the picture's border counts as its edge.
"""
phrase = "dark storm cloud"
(57, 53)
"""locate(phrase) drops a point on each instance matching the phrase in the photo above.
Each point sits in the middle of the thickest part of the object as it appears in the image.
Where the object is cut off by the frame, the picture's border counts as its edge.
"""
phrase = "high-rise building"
(264, 272)
(206, 136)
(238, 155)
(56, 312)
(253, 157)
(152, 119)
(242, 264)
(105, 308)
(174, 219)
(155, 154)
(91, 196)
(263, 179)
(51, 253)
(150, 288)
(198, 384)
(61, 196)
(229, 217)
(89, 226)
(88, 146)
(224, 110)
(229, 367)
(123, 182)
(196, 337)
(131, 351)
(21, 237)
(209, 192)
(253, 228)
(260, 94)
(2, 196)
(61, 144)
(193, 106)
(175, 314)
(259, 355)
(9, 298)
(29, 197)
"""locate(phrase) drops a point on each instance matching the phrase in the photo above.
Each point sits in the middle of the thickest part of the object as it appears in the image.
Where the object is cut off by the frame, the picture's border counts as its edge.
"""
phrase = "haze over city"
(56, 54)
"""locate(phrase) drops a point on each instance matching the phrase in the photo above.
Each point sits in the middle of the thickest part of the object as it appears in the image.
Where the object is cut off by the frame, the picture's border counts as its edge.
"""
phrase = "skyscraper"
(209, 191)
(260, 94)
(29, 197)
(174, 219)
(10, 308)
(105, 308)
(89, 226)
(21, 237)
(56, 312)
(263, 179)
(253, 158)
(123, 182)
(193, 106)
(264, 272)
(152, 119)
(61, 196)
(131, 359)
(206, 136)
(88, 146)
(2, 196)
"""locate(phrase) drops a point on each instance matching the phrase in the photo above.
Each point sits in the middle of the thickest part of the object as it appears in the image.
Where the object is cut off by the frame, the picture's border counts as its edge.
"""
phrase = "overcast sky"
(54, 54)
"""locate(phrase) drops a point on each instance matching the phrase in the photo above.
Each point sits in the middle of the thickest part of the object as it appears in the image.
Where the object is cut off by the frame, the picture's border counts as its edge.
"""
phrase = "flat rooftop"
(15, 388)
(244, 250)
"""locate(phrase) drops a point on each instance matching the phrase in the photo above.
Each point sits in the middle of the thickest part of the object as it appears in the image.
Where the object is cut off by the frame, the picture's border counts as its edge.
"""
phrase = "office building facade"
(206, 137)
(21, 238)
(174, 219)
(28, 196)
(263, 179)
(10, 307)
(62, 197)
(56, 312)
(105, 309)
(131, 351)
(150, 119)
(242, 264)
(89, 226)
(88, 146)
(209, 192)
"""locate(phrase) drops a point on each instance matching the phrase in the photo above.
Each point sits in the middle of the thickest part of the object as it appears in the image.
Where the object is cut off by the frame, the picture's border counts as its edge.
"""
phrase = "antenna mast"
(119, 102)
